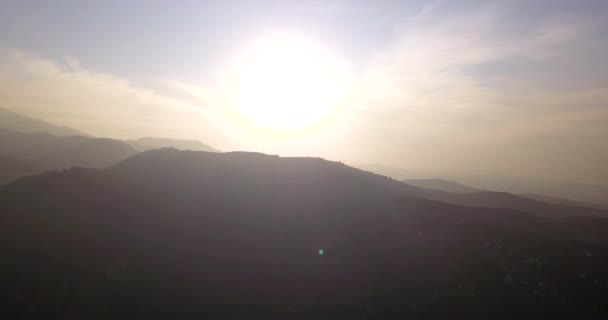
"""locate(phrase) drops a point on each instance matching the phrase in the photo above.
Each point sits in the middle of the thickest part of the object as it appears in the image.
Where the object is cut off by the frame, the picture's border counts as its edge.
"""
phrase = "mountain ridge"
(150, 143)
(38, 152)
(14, 121)
(441, 185)
(198, 235)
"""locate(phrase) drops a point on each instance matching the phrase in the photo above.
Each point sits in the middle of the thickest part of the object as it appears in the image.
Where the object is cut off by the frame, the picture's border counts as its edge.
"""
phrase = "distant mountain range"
(393, 172)
(19, 123)
(29, 146)
(441, 185)
(556, 200)
(193, 235)
(580, 192)
(457, 193)
(29, 153)
(146, 144)
(456, 187)
(567, 191)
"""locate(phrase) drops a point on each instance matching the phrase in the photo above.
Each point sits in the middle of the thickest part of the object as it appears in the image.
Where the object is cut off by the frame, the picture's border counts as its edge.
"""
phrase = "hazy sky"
(503, 87)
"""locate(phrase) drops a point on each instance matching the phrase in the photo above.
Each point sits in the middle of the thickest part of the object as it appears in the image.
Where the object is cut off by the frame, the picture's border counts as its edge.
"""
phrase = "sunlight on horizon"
(285, 82)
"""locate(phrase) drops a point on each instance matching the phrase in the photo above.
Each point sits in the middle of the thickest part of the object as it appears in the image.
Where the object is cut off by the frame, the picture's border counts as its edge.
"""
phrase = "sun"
(286, 82)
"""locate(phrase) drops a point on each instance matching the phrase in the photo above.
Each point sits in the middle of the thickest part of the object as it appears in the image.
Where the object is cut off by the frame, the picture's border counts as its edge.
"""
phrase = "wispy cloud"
(101, 104)
(437, 108)
(470, 89)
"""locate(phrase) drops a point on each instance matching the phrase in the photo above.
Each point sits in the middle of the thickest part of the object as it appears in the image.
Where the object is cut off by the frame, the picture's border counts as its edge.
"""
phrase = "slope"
(146, 144)
(192, 235)
(13, 121)
(37, 152)
(441, 185)
(492, 199)
(557, 200)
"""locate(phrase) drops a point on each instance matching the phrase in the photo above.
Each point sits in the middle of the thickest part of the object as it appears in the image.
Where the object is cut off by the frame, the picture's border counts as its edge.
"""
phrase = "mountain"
(556, 200)
(19, 123)
(460, 194)
(441, 185)
(28, 153)
(580, 192)
(393, 172)
(587, 193)
(12, 168)
(498, 199)
(145, 144)
(192, 235)
(492, 199)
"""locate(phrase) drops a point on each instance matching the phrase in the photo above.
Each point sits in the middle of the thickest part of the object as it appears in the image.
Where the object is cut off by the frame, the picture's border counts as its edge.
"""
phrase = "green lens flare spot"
(321, 252)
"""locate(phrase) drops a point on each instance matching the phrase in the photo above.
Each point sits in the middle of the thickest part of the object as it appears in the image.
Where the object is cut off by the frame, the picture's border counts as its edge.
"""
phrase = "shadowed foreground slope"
(170, 234)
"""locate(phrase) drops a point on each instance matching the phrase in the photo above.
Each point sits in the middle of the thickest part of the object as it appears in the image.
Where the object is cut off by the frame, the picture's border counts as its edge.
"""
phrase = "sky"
(502, 87)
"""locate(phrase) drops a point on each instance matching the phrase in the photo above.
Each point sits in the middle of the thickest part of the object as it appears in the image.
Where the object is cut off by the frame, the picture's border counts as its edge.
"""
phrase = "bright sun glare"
(286, 82)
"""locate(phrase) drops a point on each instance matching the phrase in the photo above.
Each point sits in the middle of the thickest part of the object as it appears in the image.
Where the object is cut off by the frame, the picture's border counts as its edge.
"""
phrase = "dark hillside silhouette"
(177, 234)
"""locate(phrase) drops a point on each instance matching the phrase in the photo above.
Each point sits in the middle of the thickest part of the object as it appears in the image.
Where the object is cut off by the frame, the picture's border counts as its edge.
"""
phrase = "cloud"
(484, 90)
(66, 93)
(97, 103)
(436, 109)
